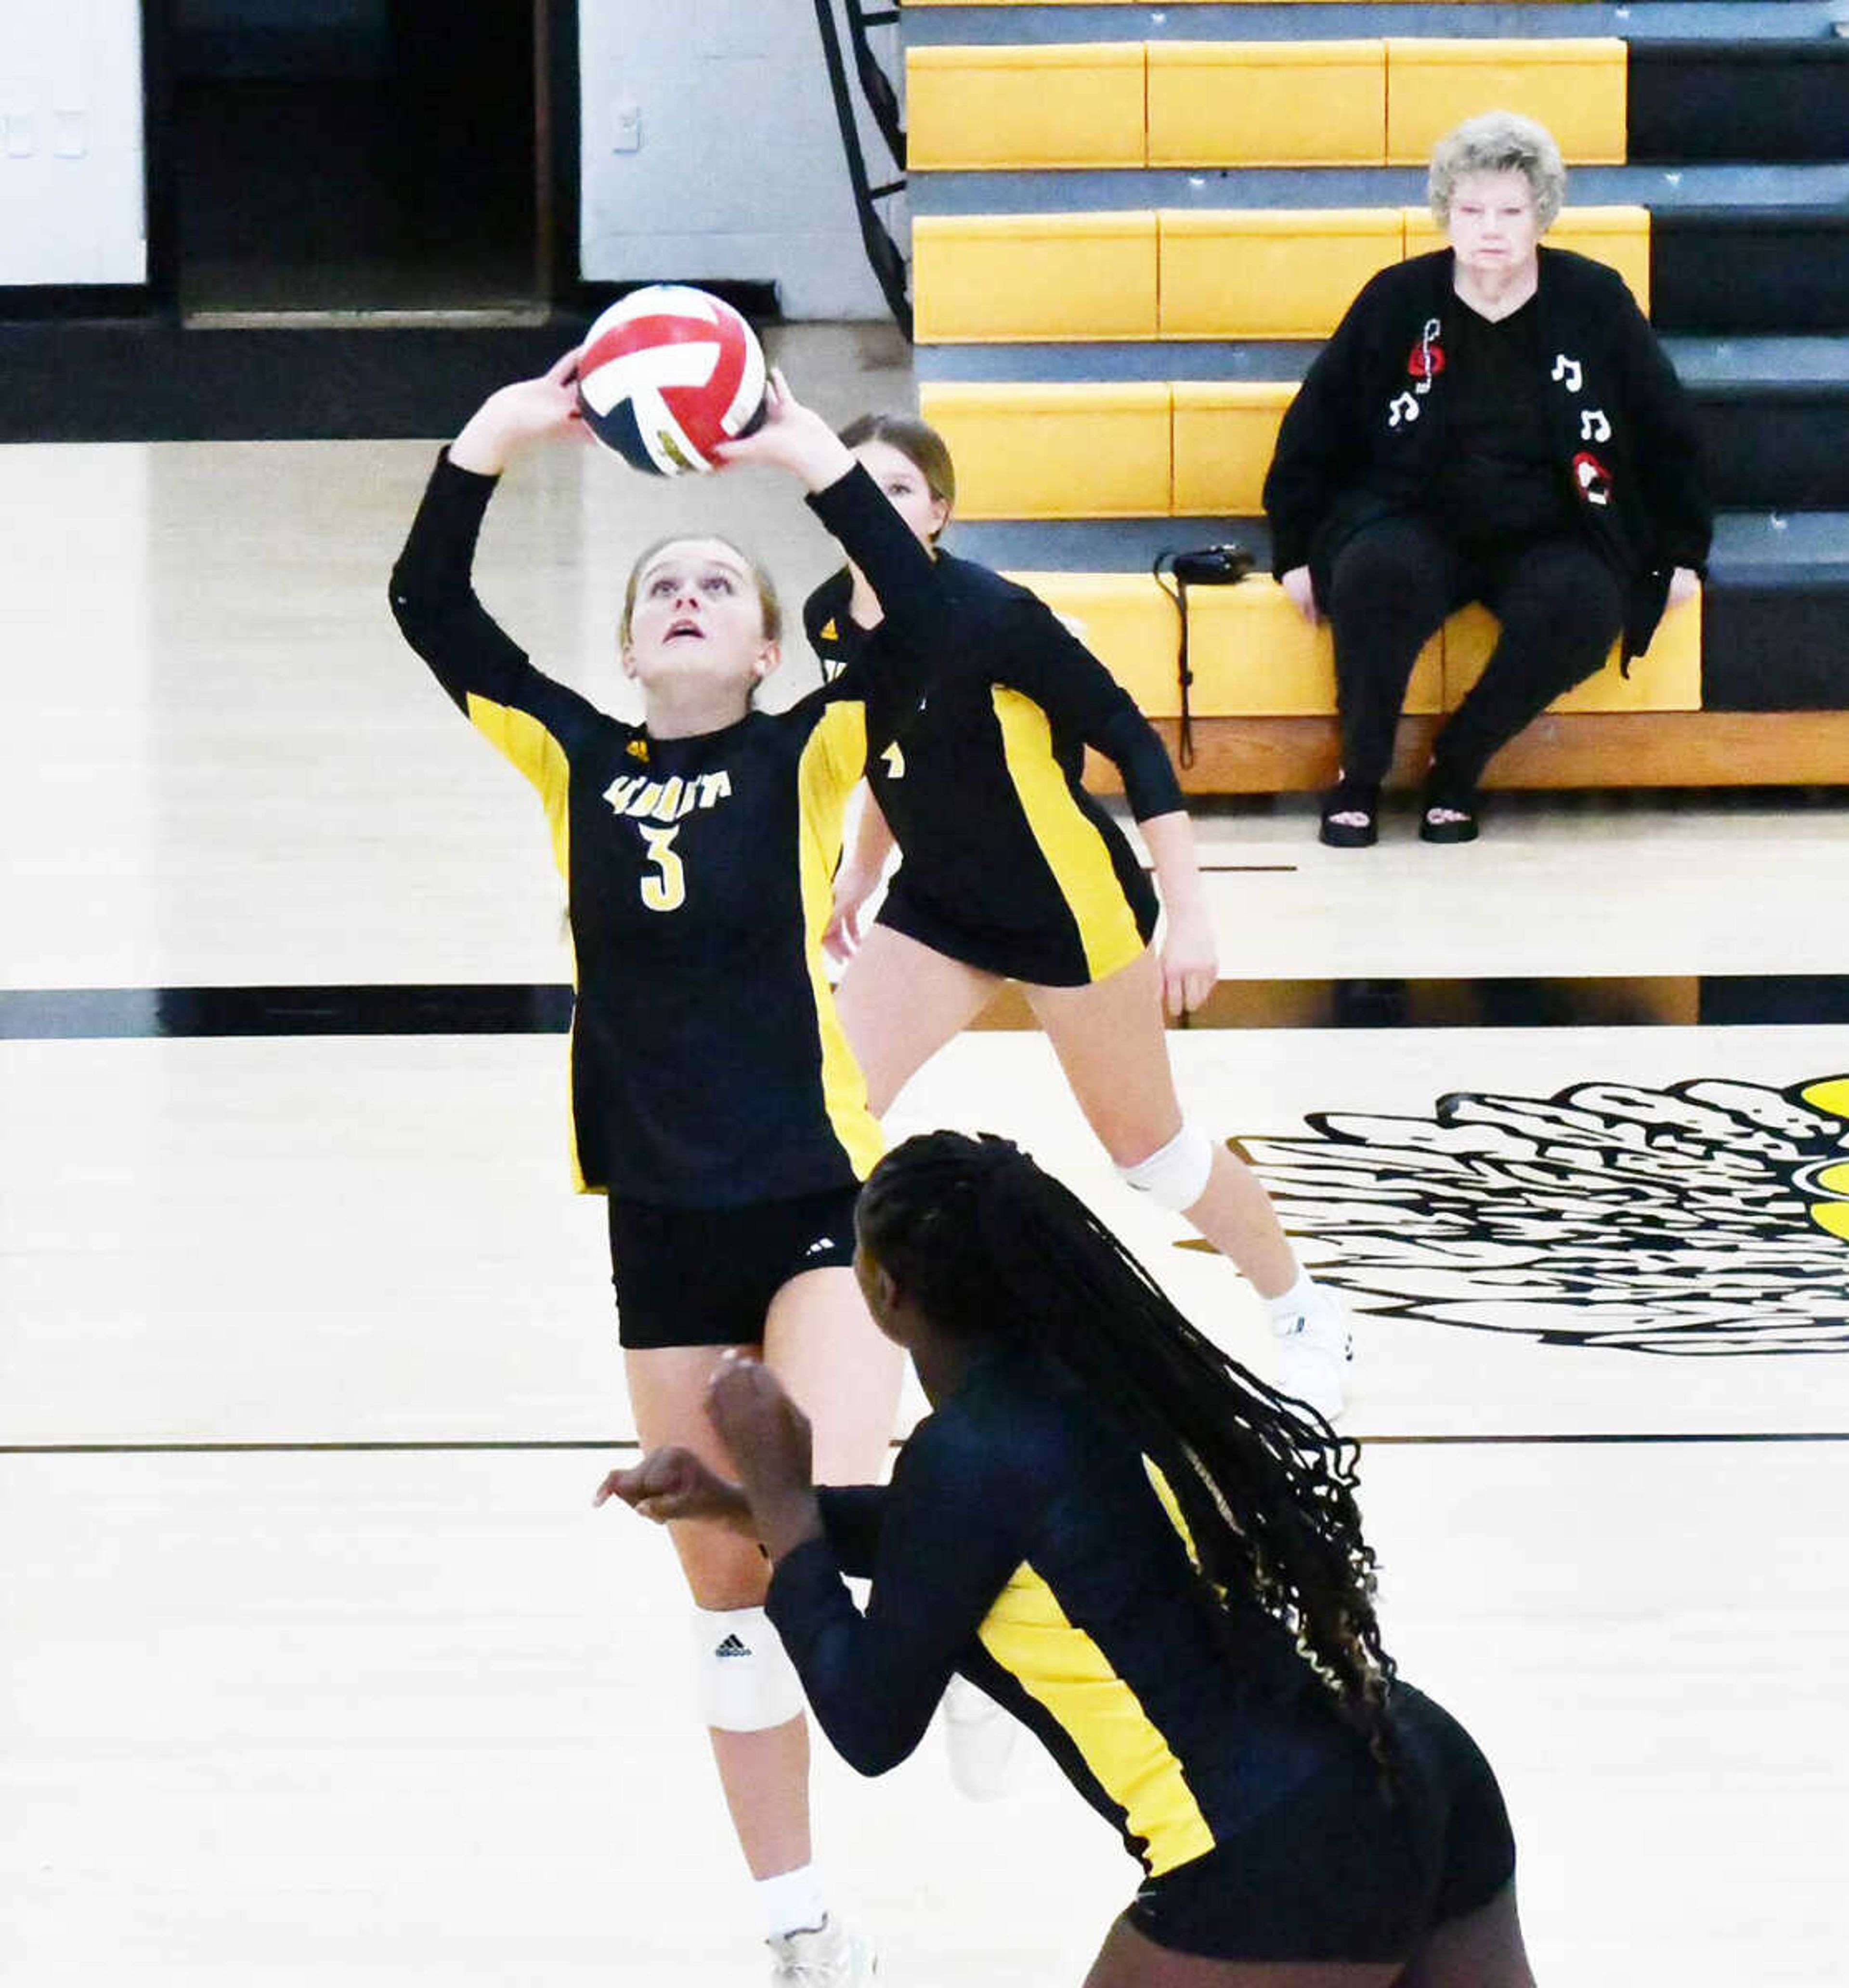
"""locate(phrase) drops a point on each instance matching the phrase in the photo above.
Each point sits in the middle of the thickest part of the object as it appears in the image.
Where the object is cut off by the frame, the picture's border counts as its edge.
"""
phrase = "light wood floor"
(315, 1665)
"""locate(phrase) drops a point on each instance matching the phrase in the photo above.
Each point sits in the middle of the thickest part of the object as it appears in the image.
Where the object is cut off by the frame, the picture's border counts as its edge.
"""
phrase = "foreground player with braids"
(1156, 1562)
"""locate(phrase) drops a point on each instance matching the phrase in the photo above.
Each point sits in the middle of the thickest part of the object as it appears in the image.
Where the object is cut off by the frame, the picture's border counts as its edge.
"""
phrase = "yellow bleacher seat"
(1225, 433)
(1065, 103)
(1021, 450)
(1576, 88)
(1267, 104)
(1252, 653)
(1269, 273)
(1126, 622)
(1667, 678)
(1004, 277)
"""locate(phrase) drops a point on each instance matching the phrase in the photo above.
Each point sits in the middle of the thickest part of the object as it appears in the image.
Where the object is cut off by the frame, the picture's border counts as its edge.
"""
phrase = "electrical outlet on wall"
(629, 125)
(20, 139)
(70, 133)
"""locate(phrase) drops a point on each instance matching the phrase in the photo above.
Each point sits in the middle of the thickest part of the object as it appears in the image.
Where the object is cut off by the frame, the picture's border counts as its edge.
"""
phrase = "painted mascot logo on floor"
(1710, 1217)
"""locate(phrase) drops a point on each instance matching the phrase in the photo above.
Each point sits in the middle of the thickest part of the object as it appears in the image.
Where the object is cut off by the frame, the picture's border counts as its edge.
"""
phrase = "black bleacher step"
(1765, 551)
(1770, 100)
(1775, 268)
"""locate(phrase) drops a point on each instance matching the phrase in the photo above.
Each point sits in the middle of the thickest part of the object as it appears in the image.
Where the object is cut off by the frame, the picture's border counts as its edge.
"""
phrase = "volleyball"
(667, 374)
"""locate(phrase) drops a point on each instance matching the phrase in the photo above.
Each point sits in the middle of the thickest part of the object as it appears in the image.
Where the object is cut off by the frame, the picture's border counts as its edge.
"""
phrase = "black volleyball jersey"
(1025, 1543)
(709, 1068)
(1008, 862)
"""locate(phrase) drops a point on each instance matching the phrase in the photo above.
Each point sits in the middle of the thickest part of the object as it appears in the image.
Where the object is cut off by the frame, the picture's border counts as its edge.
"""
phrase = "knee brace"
(1175, 1175)
(744, 1678)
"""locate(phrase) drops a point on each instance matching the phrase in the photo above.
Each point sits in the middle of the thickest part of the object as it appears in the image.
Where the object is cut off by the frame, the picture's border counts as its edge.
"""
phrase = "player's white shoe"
(831, 1955)
(1314, 1348)
(981, 1741)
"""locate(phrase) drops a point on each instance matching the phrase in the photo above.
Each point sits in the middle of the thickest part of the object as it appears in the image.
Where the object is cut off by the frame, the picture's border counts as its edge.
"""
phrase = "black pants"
(1392, 586)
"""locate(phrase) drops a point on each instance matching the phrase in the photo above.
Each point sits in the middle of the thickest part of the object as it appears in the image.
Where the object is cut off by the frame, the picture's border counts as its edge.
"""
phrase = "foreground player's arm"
(858, 876)
(950, 1533)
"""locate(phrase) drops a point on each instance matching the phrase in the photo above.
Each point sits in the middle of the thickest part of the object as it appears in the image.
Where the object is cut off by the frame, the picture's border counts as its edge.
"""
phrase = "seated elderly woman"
(1494, 422)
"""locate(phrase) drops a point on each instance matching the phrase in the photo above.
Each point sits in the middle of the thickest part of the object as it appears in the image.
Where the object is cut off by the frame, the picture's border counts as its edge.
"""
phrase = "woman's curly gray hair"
(1499, 141)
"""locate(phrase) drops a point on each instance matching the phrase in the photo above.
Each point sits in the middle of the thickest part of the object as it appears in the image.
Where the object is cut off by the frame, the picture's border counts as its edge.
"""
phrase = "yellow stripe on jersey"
(831, 765)
(527, 744)
(1075, 851)
(1027, 1632)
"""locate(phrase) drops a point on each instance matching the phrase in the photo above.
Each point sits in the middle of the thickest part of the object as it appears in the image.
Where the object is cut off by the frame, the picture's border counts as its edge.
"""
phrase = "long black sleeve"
(1668, 447)
(1314, 459)
(951, 1532)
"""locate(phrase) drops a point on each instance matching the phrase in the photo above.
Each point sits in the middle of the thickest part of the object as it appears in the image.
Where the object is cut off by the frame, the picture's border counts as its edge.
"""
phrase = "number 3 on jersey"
(895, 761)
(666, 890)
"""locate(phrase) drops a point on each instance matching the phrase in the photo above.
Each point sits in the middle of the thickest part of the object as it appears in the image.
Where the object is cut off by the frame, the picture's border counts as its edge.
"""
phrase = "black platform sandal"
(1351, 816)
(1449, 814)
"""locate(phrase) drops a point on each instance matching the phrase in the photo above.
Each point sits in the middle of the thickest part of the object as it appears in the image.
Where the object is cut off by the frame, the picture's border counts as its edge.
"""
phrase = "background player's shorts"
(705, 1276)
(1336, 1873)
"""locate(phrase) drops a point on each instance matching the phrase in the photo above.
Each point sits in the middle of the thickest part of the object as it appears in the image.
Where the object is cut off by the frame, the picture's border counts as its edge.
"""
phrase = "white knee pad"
(1175, 1175)
(745, 1679)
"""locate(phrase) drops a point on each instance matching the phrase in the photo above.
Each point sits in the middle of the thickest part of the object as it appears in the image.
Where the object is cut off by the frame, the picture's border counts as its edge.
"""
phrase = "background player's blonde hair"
(1499, 141)
(767, 603)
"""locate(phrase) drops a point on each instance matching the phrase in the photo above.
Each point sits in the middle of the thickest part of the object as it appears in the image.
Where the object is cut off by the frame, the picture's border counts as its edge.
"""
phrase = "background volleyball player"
(1012, 870)
(1158, 1561)
(713, 1095)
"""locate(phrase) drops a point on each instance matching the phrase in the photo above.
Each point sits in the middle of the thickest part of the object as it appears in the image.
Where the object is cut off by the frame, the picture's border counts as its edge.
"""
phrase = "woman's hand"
(1191, 965)
(768, 1437)
(1301, 591)
(841, 939)
(508, 421)
(1684, 584)
(674, 1483)
(791, 437)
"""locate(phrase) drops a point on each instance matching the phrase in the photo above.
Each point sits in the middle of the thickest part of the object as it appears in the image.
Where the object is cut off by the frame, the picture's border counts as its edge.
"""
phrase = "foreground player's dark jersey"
(1008, 862)
(708, 1067)
(1026, 1543)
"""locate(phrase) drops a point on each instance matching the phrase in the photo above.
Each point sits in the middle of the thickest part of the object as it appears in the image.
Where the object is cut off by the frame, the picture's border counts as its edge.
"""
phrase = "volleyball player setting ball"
(715, 1099)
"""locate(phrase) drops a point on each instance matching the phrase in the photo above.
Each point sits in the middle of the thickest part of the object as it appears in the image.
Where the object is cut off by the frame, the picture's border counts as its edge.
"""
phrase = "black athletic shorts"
(705, 1276)
(1335, 1872)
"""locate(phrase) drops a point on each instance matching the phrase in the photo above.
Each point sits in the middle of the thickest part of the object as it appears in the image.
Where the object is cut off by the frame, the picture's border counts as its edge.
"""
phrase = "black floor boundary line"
(517, 1445)
(1735, 1000)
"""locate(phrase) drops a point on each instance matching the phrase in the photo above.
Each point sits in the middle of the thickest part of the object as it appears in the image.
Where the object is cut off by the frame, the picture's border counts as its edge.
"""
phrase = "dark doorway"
(344, 158)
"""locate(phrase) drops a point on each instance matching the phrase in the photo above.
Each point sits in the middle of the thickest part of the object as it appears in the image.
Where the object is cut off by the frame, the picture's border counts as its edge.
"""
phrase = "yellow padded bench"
(1578, 88)
(1056, 452)
(1267, 104)
(1225, 434)
(1033, 276)
(1077, 104)
(1253, 656)
(1270, 272)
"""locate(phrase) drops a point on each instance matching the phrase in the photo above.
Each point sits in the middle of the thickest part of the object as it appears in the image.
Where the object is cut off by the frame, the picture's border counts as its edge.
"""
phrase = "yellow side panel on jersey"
(1578, 88)
(1267, 104)
(527, 744)
(1058, 1664)
(832, 763)
(1074, 849)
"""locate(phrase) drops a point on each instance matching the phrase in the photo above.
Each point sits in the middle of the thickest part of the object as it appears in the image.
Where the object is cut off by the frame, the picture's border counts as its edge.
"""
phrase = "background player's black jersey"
(708, 1067)
(1024, 1542)
(1008, 863)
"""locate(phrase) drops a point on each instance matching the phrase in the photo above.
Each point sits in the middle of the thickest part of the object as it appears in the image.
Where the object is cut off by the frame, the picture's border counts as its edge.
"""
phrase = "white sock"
(1290, 1306)
(792, 1901)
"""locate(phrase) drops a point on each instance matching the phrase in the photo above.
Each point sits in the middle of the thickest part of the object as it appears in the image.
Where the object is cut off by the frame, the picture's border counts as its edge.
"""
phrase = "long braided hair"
(989, 1247)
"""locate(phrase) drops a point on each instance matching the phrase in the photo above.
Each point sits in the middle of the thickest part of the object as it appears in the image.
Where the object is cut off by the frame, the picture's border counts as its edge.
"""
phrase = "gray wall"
(739, 172)
(72, 207)
(736, 169)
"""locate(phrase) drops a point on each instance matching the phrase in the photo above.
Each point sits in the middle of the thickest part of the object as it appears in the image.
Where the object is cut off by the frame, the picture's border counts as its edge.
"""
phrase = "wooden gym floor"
(317, 1666)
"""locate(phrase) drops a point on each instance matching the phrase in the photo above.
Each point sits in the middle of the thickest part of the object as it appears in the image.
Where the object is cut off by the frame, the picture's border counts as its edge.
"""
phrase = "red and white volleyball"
(667, 375)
